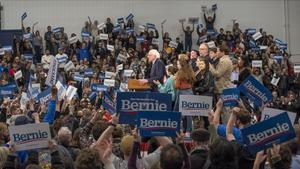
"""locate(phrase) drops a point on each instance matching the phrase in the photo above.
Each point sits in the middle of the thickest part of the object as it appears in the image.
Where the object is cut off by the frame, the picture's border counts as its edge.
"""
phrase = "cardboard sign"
(109, 75)
(61, 91)
(103, 36)
(173, 44)
(263, 47)
(56, 30)
(230, 97)
(269, 112)
(255, 91)
(128, 73)
(142, 28)
(73, 39)
(109, 104)
(101, 26)
(211, 44)
(110, 47)
(69, 66)
(122, 58)
(275, 80)
(30, 136)
(18, 75)
(257, 36)
(214, 7)
(155, 41)
(193, 20)
(88, 72)
(120, 67)
(109, 82)
(78, 77)
(297, 68)
(130, 103)
(71, 91)
(27, 36)
(129, 17)
(257, 63)
(52, 72)
(7, 91)
(140, 39)
(158, 123)
(44, 96)
(85, 34)
(24, 16)
(98, 88)
(194, 105)
(150, 26)
(262, 135)
(182, 20)
(61, 58)
(251, 31)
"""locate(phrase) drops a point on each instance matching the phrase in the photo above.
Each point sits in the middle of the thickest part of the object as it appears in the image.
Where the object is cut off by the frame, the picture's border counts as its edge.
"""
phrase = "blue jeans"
(187, 120)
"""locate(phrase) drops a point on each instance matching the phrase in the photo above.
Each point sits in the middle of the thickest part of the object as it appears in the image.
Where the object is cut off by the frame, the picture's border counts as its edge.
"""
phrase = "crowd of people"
(86, 135)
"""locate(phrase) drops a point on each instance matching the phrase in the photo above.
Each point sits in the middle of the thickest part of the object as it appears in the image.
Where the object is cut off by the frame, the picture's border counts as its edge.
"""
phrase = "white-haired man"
(158, 70)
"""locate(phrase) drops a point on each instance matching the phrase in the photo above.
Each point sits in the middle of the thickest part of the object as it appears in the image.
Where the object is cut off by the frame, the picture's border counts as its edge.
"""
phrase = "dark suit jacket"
(158, 71)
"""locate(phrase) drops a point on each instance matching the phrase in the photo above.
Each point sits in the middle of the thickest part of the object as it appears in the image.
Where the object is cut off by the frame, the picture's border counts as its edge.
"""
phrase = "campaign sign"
(269, 112)
(7, 90)
(98, 88)
(30, 136)
(194, 105)
(130, 103)
(44, 96)
(262, 135)
(255, 91)
(230, 97)
(158, 123)
(109, 104)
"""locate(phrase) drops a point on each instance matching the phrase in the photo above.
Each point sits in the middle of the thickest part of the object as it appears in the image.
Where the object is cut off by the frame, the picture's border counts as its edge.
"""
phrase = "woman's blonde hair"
(4, 151)
(185, 73)
(126, 144)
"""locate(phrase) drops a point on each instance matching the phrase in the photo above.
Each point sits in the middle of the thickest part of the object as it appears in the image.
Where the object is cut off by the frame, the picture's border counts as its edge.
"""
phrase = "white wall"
(293, 25)
(267, 14)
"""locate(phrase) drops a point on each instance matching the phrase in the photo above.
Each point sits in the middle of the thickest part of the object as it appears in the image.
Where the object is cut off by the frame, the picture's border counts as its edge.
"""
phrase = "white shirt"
(46, 59)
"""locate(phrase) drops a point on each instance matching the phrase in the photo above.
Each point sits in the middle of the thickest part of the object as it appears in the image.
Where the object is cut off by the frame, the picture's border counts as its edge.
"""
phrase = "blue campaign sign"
(251, 31)
(140, 39)
(255, 91)
(130, 103)
(109, 104)
(44, 96)
(230, 97)
(214, 7)
(150, 26)
(7, 90)
(260, 136)
(120, 20)
(88, 72)
(129, 17)
(151, 123)
(117, 28)
(24, 16)
(129, 30)
(98, 88)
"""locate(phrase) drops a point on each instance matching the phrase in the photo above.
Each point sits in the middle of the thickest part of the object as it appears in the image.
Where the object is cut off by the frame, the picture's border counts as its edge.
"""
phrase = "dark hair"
(293, 145)
(98, 129)
(171, 157)
(244, 117)
(172, 70)
(245, 59)
(88, 159)
(222, 155)
(224, 49)
(213, 49)
(206, 61)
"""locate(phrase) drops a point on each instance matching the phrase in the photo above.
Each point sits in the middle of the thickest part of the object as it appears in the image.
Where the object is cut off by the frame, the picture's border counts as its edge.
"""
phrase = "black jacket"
(204, 84)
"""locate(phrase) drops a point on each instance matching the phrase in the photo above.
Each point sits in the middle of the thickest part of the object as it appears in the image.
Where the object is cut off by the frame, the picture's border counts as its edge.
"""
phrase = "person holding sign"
(158, 70)
(188, 36)
(209, 21)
